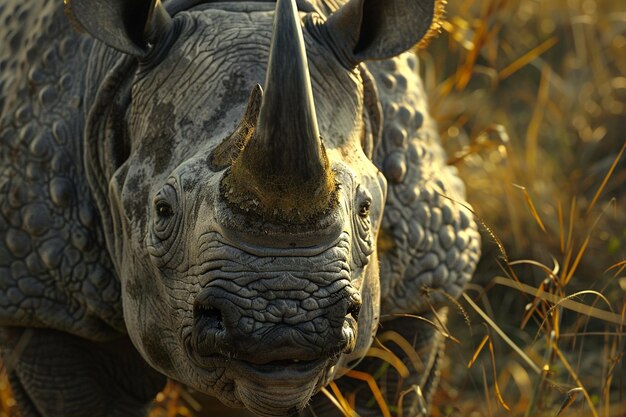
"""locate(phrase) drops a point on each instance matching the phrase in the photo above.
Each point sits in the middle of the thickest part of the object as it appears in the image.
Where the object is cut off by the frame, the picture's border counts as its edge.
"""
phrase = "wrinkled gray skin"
(124, 256)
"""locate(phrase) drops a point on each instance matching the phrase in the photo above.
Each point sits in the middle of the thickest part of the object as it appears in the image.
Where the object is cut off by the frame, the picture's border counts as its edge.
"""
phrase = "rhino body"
(162, 215)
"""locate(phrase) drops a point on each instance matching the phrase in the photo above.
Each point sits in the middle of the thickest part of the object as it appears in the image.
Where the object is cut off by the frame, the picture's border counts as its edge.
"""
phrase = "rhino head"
(242, 220)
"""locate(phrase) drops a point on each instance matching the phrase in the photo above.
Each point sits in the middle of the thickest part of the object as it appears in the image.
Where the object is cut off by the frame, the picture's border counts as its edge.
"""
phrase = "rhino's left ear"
(362, 30)
(129, 26)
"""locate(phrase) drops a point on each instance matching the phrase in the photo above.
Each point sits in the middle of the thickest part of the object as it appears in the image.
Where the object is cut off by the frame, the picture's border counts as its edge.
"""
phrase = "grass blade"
(478, 350)
(527, 58)
(573, 374)
(606, 179)
(495, 378)
(406, 347)
(503, 335)
(566, 302)
(373, 386)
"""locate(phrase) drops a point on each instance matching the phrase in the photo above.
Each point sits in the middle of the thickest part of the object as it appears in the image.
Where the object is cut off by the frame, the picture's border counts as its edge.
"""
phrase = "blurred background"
(530, 98)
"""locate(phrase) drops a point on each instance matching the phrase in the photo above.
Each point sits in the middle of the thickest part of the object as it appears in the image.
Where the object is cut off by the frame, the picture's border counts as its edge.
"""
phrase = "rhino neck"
(47, 104)
(108, 91)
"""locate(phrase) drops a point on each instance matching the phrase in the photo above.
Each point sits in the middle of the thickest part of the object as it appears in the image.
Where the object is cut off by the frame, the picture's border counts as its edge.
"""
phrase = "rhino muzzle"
(275, 323)
(278, 328)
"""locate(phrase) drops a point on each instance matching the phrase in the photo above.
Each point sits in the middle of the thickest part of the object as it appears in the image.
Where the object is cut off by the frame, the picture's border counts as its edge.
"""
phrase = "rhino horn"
(284, 164)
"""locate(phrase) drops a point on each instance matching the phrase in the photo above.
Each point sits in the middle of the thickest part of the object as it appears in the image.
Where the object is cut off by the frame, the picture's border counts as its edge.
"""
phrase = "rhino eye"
(364, 208)
(165, 206)
(166, 225)
(165, 201)
(164, 209)
(362, 228)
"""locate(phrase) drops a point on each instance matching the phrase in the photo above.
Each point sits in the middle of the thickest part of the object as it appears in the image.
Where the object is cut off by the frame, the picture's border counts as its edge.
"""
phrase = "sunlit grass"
(530, 100)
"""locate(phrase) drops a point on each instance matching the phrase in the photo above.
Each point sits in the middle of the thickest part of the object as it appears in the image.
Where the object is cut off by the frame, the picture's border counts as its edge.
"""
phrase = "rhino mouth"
(275, 388)
(303, 366)
(282, 368)
(278, 388)
(279, 369)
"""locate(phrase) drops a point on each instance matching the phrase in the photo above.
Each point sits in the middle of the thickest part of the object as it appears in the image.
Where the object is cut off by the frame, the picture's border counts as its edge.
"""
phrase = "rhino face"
(244, 221)
(243, 280)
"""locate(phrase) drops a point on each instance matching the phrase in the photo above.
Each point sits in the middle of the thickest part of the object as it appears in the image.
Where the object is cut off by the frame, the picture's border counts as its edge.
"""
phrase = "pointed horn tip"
(283, 167)
(290, 4)
(286, 141)
(158, 22)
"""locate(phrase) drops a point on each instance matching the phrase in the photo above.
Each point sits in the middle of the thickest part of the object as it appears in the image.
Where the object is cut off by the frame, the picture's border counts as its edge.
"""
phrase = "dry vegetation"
(530, 97)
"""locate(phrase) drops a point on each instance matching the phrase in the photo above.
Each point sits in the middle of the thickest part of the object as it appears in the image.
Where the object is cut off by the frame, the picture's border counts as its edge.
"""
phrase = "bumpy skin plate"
(429, 244)
(54, 268)
(63, 343)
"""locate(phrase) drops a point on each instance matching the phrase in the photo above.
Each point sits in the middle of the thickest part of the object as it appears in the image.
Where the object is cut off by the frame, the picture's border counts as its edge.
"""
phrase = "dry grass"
(530, 97)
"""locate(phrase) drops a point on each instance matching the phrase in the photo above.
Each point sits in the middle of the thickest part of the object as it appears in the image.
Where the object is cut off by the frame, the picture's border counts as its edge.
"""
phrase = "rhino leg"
(57, 374)
(26, 407)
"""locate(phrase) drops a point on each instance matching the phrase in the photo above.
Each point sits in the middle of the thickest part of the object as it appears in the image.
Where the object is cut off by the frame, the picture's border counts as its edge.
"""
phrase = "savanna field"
(530, 99)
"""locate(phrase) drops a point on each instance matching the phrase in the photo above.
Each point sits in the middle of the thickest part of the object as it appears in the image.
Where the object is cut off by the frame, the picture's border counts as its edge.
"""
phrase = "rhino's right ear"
(129, 26)
(363, 30)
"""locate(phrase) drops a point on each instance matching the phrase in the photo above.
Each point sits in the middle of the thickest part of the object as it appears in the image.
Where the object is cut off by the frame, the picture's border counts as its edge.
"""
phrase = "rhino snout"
(261, 331)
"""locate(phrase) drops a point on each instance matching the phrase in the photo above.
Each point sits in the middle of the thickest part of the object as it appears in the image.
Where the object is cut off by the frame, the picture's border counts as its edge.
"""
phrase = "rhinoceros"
(248, 197)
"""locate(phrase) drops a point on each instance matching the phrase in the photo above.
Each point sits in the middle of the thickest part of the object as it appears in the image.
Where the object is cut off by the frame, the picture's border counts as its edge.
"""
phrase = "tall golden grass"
(530, 97)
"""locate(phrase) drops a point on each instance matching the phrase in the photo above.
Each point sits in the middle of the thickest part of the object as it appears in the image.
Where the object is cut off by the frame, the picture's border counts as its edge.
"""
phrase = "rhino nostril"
(212, 317)
(354, 310)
